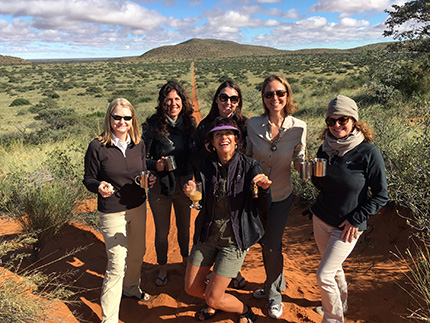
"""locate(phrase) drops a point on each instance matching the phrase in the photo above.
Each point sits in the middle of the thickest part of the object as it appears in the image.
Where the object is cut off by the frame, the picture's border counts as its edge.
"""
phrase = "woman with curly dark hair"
(229, 222)
(168, 136)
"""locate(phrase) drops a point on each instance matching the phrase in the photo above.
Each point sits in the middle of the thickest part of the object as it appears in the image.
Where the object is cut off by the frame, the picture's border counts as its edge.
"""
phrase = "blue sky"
(35, 29)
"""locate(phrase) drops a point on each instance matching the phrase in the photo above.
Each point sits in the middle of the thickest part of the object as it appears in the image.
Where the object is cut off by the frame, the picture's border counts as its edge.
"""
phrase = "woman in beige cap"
(343, 205)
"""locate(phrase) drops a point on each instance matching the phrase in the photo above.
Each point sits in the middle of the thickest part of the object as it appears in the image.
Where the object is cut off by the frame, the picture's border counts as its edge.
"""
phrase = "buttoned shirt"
(276, 163)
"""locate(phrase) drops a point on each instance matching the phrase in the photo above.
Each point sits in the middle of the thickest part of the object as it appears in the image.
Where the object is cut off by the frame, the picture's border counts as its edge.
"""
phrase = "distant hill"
(208, 48)
(213, 48)
(12, 60)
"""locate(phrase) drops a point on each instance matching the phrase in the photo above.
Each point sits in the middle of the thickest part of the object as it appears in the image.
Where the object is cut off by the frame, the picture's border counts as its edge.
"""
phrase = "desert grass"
(417, 262)
(28, 294)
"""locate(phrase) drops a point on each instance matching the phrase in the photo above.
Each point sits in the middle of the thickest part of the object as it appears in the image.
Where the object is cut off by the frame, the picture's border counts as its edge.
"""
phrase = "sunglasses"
(118, 118)
(224, 98)
(342, 121)
(271, 94)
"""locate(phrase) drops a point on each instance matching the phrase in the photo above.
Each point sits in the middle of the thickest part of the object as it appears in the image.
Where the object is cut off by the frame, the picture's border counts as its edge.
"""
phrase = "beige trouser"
(124, 235)
(330, 274)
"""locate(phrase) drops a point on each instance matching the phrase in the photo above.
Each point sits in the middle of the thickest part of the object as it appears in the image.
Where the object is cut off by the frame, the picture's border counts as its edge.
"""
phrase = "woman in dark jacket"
(168, 133)
(354, 188)
(229, 222)
(227, 103)
(112, 162)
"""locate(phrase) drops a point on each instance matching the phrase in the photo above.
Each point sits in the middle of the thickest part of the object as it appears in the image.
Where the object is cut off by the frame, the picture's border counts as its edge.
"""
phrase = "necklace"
(278, 136)
(276, 140)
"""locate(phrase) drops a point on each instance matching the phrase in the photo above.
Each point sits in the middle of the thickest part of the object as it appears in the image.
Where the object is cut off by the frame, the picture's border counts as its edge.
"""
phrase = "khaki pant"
(124, 235)
(330, 275)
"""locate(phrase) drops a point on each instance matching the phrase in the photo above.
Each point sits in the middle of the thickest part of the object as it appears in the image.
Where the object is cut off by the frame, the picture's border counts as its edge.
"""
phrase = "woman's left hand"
(151, 180)
(349, 232)
(262, 180)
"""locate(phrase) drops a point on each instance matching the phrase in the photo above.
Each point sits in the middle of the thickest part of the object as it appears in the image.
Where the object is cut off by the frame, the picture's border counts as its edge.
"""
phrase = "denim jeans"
(272, 250)
(161, 207)
(124, 234)
(330, 276)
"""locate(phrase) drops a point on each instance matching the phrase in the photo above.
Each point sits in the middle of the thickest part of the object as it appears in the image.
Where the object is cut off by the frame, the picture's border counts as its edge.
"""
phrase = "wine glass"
(196, 195)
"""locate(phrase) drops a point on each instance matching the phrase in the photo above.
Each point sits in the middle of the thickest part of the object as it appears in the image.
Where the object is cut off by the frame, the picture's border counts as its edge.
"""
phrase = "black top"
(344, 191)
(107, 163)
(177, 143)
(245, 211)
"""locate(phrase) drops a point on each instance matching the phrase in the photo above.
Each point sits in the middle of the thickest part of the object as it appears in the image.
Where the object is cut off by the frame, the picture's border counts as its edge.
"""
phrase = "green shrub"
(44, 200)
(44, 206)
(19, 101)
(405, 146)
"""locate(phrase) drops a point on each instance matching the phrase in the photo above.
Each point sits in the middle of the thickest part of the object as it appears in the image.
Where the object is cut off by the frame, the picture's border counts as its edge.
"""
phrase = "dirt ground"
(373, 272)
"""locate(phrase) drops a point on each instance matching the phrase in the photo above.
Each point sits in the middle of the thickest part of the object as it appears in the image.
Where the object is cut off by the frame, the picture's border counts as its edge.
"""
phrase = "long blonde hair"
(106, 135)
(291, 105)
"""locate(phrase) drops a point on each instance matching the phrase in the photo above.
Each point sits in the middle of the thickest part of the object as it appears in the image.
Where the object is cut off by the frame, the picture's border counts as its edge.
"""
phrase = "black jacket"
(245, 211)
(344, 191)
(107, 163)
(177, 143)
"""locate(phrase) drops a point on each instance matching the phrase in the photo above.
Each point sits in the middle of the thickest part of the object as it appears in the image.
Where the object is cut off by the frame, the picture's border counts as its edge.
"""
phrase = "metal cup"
(320, 166)
(170, 163)
(306, 170)
(142, 179)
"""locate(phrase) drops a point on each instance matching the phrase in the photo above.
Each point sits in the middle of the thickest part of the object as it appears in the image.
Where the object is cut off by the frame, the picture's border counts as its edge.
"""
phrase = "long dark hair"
(214, 111)
(162, 111)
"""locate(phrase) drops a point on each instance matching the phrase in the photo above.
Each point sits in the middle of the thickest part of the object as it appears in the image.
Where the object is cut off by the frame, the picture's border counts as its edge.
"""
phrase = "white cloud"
(312, 23)
(124, 13)
(272, 23)
(289, 14)
(318, 30)
(351, 5)
(350, 22)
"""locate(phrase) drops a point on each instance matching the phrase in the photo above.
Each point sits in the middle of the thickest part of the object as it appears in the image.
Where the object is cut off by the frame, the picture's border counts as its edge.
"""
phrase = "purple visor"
(218, 128)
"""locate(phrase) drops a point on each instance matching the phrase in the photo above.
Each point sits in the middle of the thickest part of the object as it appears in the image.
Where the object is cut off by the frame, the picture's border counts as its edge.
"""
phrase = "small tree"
(410, 21)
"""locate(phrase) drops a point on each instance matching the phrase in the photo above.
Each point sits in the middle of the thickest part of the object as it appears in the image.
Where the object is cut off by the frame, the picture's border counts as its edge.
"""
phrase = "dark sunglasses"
(271, 94)
(224, 98)
(342, 121)
(117, 118)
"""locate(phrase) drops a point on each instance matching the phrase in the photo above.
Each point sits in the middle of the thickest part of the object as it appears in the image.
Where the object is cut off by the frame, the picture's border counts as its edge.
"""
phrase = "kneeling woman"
(229, 222)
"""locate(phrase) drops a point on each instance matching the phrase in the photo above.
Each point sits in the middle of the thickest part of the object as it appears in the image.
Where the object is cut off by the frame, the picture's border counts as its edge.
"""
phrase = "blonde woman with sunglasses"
(112, 162)
(277, 140)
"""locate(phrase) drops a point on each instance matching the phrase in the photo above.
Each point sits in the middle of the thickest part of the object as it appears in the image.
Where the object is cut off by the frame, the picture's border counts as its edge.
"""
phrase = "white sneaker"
(275, 311)
(259, 293)
(319, 310)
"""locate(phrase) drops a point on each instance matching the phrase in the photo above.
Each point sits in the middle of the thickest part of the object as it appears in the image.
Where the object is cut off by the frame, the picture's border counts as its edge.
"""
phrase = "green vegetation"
(19, 101)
